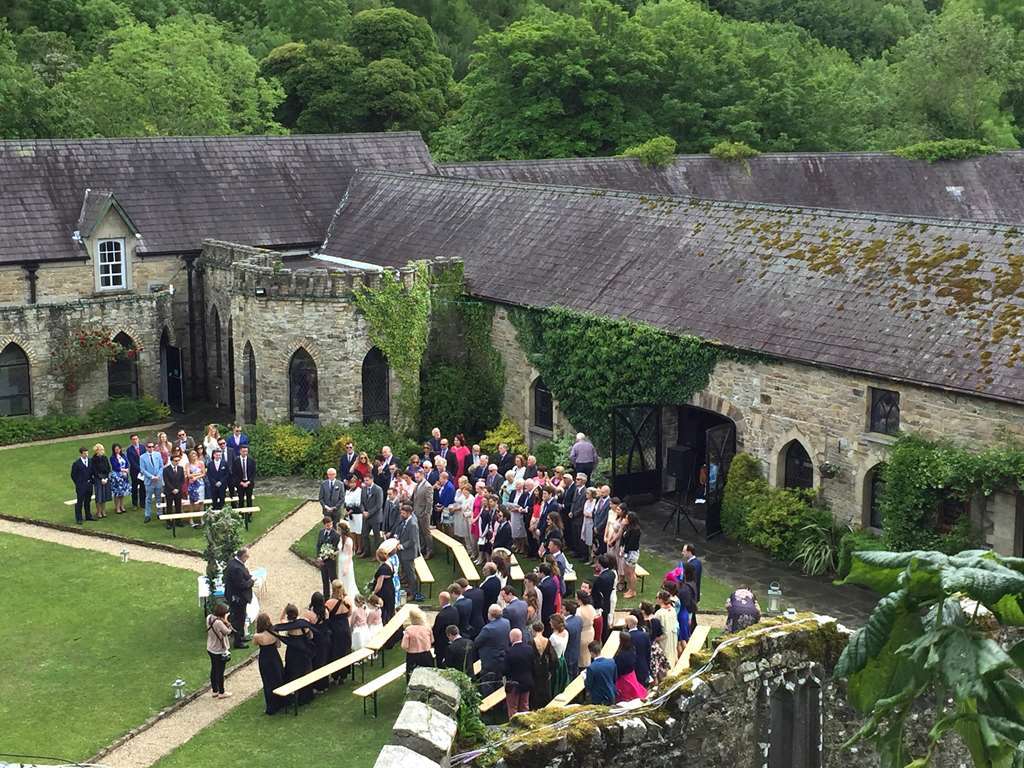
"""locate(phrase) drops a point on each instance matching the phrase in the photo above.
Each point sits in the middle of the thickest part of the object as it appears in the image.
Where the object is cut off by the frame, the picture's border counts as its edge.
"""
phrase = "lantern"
(124, 555)
(774, 597)
(179, 688)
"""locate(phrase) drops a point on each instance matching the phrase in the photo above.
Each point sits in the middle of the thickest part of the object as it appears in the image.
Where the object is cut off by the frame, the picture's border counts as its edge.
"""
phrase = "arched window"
(303, 390)
(376, 392)
(218, 366)
(543, 409)
(15, 389)
(123, 373)
(799, 469)
(874, 488)
(249, 383)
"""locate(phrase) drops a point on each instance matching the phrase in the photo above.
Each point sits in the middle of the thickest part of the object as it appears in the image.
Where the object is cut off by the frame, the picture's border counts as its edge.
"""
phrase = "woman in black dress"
(271, 666)
(99, 466)
(384, 586)
(338, 609)
(297, 636)
(321, 638)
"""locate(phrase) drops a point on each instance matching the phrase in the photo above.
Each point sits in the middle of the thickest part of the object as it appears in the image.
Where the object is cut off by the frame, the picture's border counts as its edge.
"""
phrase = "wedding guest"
(586, 613)
(174, 481)
(243, 475)
(669, 620)
(134, 453)
(559, 640)
(81, 476)
(599, 677)
(574, 626)
(328, 544)
(354, 508)
(446, 614)
(219, 476)
(316, 615)
(627, 687)
(271, 666)
(164, 448)
(742, 609)
(237, 439)
(417, 641)
(217, 633)
(460, 654)
(362, 468)
(583, 455)
(690, 556)
(120, 477)
(238, 584)
(384, 586)
(332, 495)
(211, 438)
(630, 538)
(544, 666)
(99, 466)
(347, 462)
(357, 622)
(196, 486)
(152, 468)
(297, 635)
(518, 674)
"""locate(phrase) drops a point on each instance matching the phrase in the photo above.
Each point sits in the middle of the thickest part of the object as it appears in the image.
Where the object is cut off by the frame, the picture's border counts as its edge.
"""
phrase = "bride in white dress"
(346, 564)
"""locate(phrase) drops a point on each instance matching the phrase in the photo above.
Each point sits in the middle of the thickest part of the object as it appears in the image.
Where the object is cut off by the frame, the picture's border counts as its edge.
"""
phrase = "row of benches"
(245, 512)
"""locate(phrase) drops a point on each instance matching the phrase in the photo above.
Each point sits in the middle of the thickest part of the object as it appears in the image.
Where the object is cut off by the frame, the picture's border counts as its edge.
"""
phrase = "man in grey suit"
(515, 608)
(332, 496)
(491, 643)
(373, 509)
(423, 506)
(408, 535)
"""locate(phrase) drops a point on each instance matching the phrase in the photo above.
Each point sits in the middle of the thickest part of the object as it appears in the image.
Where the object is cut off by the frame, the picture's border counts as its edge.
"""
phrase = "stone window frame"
(27, 364)
(801, 681)
(880, 412)
(218, 352)
(783, 464)
(534, 420)
(123, 275)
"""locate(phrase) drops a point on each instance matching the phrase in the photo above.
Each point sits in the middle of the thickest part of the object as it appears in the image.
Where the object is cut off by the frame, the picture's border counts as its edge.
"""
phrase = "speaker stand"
(678, 511)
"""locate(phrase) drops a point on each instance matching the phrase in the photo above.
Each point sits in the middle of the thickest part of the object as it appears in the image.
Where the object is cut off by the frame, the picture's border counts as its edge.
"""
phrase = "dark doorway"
(798, 467)
(1018, 539)
(15, 385)
(376, 389)
(123, 373)
(712, 438)
(636, 450)
(173, 384)
(231, 366)
(249, 383)
(303, 391)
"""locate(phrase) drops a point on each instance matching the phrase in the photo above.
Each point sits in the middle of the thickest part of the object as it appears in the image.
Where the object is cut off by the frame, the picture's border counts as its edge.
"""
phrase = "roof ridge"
(233, 137)
(840, 213)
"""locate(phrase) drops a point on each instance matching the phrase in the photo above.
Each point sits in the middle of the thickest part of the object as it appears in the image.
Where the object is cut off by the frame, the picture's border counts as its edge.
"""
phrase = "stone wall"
(763, 697)
(424, 731)
(39, 329)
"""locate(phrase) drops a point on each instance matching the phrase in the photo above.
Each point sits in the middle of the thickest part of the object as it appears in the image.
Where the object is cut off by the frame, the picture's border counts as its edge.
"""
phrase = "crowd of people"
(183, 473)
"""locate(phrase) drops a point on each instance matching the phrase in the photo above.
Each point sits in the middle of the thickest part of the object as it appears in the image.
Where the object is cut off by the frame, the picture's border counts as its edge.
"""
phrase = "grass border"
(87, 435)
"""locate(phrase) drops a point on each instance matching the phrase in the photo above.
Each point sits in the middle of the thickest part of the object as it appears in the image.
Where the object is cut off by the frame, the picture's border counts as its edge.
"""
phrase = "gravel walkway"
(289, 579)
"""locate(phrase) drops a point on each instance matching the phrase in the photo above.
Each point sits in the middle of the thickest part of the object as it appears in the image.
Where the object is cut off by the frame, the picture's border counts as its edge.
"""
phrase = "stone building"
(877, 294)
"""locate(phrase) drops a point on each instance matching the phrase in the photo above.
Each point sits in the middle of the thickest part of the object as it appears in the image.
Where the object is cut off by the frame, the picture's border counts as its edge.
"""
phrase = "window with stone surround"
(798, 469)
(874, 487)
(303, 390)
(885, 411)
(15, 386)
(111, 265)
(543, 406)
(123, 373)
(794, 739)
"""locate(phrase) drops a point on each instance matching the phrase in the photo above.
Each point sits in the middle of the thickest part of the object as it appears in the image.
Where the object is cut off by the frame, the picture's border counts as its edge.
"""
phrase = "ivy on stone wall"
(922, 477)
(593, 363)
(399, 320)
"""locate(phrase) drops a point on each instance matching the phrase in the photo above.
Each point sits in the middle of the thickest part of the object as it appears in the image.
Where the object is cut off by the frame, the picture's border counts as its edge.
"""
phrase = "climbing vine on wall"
(399, 319)
(922, 477)
(592, 363)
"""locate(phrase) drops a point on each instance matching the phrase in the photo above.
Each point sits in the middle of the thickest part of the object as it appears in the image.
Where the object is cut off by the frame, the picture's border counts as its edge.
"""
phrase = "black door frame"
(647, 479)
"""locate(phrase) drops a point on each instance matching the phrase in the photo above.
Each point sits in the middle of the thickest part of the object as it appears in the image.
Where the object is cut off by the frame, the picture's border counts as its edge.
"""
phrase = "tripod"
(679, 509)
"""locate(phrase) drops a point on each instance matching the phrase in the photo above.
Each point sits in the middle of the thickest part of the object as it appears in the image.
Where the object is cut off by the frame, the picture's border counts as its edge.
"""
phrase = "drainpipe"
(190, 261)
(31, 271)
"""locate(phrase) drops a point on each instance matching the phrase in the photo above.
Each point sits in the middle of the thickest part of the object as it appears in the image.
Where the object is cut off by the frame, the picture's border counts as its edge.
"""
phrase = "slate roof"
(261, 191)
(935, 302)
(987, 188)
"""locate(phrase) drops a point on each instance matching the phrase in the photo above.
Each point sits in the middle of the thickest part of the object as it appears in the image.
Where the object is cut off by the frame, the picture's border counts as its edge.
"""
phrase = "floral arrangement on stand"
(84, 350)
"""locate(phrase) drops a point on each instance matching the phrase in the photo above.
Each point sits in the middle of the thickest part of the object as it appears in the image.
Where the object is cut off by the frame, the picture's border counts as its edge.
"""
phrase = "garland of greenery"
(921, 474)
(399, 320)
(223, 528)
(593, 363)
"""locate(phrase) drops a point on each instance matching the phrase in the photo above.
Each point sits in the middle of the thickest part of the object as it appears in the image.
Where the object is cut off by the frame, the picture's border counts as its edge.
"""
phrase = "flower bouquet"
(327, 552)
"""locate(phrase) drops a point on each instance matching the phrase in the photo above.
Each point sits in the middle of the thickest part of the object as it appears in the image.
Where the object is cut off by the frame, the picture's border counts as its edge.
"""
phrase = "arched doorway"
(123, 373)
(703, 439)
(376, 387)
(172, 374)
(15, 383)
(303, 390)
(874, 488)
(249, 383)
(798, 469)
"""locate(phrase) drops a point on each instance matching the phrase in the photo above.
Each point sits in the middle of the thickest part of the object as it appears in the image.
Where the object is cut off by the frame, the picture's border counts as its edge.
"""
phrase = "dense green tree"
(455, 24)
(181, 78)
(387, 75)
(553, 85)
(51, 55)
(308, 20)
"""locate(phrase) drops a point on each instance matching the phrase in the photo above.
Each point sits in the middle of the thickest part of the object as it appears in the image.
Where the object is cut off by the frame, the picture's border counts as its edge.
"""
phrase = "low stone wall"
(425, 729)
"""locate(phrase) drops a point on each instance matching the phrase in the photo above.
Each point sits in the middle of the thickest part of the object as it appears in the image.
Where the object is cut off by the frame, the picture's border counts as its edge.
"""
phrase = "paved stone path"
(289, 579)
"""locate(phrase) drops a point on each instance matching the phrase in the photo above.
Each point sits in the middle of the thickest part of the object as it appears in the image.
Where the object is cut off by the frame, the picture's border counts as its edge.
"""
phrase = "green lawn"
(329, 731)
(91, 646)
(35, 481)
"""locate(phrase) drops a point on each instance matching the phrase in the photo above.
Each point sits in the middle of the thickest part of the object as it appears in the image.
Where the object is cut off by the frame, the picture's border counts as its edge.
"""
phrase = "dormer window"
(111, 265)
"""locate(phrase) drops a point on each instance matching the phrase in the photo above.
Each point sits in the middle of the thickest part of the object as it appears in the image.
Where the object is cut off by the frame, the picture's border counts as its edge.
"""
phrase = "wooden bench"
(698, 638)
(642, 574)
(493, 700)
(292, 689)
(374, 687)
(515, 570)
(578, 684)
(458, 551)
(385, 633)
(180, 516)
(424, 575)
(205, 502)
(246, 513)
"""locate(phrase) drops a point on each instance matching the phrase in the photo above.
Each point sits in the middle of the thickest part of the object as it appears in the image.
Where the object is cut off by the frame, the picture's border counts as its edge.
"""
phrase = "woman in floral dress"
(120, 481)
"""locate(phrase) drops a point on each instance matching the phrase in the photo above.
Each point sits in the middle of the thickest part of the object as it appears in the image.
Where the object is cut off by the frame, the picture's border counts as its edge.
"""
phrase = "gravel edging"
(165, 713)
(52, 440)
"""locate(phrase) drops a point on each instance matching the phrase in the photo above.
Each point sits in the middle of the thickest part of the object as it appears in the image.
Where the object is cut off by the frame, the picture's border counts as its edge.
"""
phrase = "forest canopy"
(517, 79)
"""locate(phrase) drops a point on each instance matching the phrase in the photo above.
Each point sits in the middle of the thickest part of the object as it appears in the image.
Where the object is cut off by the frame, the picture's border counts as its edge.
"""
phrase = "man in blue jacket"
(151, 465)
(574, 626)
(219, 474)
(491, 643)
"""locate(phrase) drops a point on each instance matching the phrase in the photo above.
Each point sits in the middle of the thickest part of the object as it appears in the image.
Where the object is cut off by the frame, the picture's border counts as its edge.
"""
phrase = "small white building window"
(111, 265)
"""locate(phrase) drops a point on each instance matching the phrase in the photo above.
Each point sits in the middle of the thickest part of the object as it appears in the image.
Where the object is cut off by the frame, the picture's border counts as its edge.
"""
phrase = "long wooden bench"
(205, 502)
(698, 638)
(373, 688)
(389, 630)
(180, 516)
(246, 513)
(493, 700)
(577, 685)
(424, 575)
(292, 689)
(458, 551)
(642, 574)
(515, 570)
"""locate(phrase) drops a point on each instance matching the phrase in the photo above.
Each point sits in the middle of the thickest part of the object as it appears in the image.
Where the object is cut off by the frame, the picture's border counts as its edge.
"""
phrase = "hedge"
(117, 413)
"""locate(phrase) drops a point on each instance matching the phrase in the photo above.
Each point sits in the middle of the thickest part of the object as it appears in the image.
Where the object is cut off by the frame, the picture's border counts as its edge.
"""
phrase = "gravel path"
(289, 579)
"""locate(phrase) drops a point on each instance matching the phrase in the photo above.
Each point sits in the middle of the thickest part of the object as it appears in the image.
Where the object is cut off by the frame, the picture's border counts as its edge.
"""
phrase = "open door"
(721, 447)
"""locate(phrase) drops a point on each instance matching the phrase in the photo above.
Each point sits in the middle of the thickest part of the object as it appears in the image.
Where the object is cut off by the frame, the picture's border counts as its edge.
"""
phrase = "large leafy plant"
(223, 528)
(920, 641)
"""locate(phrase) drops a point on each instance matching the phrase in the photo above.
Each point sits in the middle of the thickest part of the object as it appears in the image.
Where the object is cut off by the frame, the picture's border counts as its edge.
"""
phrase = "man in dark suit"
(574, 626)
(515, 609)
(549, 593)
(243, 476)
(174, 480)
(237, 439)
(382, 472)
(435, 441)
(690, 556)
(494, 479)
(447, 615)
(81, 476)
(479, 472)
(238, 585)
(491, 644)
(604, 586)
(328, 566)
(477, 618)
(460, 654)
(548, 505)
(504, 459)
(373, 511)
(518, 674)
(219, 475)
(601, 510)
(347, 461)
(408, 535)
(391, 514)
(502, 531)
(229, 456)
(465, 608)
(134, 453)
(491, 584)
(332, 496)
(573, 502)
(642, 646)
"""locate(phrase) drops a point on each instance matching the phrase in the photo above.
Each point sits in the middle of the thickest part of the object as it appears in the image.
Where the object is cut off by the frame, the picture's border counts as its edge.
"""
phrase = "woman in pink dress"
(461, 453)
(627, 687)
(474, 523)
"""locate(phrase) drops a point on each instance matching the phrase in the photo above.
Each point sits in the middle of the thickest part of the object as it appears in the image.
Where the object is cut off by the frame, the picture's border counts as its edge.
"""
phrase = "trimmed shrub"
(857, 540)
(366, 437)
(507, 432)
(945, 149)
(459, 397)
(740, 487)
(118, 413)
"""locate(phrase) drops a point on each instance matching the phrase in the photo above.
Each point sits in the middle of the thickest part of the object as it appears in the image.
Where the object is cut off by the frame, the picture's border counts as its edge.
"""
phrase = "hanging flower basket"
(84, 350)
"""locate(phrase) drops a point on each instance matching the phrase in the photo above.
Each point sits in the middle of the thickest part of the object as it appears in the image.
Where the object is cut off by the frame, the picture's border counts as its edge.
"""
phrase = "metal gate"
(636, 450)
(376, 394)
(175, 380)
(721, 443)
